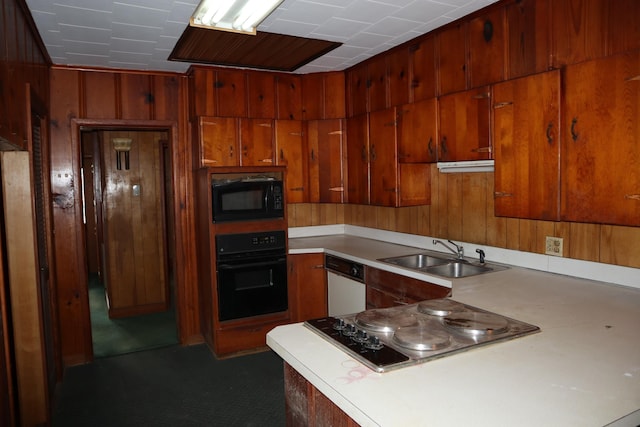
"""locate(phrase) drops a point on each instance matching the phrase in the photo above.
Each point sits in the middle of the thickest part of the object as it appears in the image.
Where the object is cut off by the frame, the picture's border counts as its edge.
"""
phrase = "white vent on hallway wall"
(470, 166)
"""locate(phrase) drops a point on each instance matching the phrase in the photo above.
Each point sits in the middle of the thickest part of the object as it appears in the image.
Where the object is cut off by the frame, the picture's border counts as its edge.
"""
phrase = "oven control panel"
(247, 242)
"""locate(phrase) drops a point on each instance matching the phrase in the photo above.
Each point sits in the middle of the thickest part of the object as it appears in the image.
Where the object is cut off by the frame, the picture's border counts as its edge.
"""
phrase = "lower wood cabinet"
(307, 282)
(307, 406)
(386, 289)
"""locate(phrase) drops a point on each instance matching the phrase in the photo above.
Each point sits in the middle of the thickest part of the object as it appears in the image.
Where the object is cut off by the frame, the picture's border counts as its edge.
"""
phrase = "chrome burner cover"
(473, 323)
(440, 307)
(422, 338)
(384, 320)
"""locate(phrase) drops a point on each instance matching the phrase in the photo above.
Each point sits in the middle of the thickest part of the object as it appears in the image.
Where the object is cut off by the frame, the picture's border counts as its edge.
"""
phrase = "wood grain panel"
(455, 206)
(99, 95)
(399, 76)
(166, 92)
(136, 97)
(528, 37)
(202, 82)
(231, 93)
(474, 219)
(584, 242)
(288, 97)
(423, 69)
(261, 91)
(334, 95)
(619, 245)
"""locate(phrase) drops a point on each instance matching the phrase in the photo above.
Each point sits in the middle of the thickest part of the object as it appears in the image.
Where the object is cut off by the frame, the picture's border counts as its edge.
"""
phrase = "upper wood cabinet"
(357, 90)
(422, 69)
(418, 132)
(261, 93)
(230, 96)
(256, 142)
(383, 157)
(325, 145)
(398, 69)
(579, 30)
(323, 96)
(600, 132)
(465, 126)
(378, 83)
(358, 159)
(452, 58)
(528, 38)
(217, 141)
(288, 97)
(527, 147)
(487, 48)
(291, 152)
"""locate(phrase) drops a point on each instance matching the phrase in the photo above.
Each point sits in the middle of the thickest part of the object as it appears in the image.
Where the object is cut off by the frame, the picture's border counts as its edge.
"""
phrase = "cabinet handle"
(483, 95)
(364, 153)
(266, 161)
(502, 194)
(231, 151)
(574, 134)
(549, 135)
(281, 154)
(335, 132)
(373, 153)
(338, 189)
(502, 105)
(313, 155)
(632, 196)
(430, 146)
(443, 146)
(481, 150)
(633, 78)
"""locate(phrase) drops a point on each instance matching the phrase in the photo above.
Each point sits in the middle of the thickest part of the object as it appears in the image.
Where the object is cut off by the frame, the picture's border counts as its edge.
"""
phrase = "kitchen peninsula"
(582, 369)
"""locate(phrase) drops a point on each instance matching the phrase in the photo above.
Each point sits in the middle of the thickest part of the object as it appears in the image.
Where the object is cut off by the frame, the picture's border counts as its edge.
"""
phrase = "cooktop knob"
(360, 336)
(349, 330)
(373, 343)
(339, 325)
(355, 272)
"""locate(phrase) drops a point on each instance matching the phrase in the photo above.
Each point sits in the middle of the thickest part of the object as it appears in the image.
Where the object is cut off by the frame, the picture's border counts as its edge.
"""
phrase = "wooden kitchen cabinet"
(357, 90)
(377, 83)
(486, 48)
(291, 152)
(230, 93)
(527, 147)
(358, 159)
(307, 281)
(386, 289)
(418, 132)
(323, 95)
(527, 37)
(399, 76)
(465, 125)
(256, 142)
(383, 157)
(600, 134)
(288, 97)
(422, 60)
(218, 140)
(452, 58)
(325, 145)
(261, 93)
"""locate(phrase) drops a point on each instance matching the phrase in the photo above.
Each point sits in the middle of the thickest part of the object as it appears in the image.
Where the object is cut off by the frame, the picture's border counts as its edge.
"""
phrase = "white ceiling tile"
(391, 26)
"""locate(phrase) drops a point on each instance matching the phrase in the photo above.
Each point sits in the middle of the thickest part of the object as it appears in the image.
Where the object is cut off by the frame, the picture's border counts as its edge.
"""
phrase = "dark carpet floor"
(125, 335)
(173, 386)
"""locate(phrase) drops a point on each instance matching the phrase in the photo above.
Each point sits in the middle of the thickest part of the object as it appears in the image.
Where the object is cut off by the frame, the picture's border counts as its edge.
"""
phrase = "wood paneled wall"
(462, 209)
(101, 99)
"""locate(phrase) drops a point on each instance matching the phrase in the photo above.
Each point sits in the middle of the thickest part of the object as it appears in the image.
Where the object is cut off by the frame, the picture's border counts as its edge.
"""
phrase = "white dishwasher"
(347, 292)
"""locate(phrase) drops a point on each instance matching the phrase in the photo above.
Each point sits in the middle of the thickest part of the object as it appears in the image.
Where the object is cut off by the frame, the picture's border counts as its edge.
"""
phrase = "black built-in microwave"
(250, 198)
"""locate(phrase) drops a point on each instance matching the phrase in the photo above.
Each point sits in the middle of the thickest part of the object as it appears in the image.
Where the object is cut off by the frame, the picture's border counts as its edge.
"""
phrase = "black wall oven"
(251, 272)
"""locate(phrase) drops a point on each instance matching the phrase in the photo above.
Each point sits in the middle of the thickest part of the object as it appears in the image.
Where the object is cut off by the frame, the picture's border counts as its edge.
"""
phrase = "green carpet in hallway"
(119, 336)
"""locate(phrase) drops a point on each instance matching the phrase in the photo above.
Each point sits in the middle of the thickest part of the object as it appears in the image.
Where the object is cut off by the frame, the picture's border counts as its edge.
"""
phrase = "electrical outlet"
(553, 246)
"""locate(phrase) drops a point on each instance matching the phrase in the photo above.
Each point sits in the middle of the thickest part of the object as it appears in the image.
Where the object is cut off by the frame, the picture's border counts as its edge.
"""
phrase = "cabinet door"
(398, 64)
(378, 83)
(486, 48)
(256, 142)
(528, 37)
(358, 159)
(334, 95)
(464, 126)
(423, 69)
(386, 289)
(291, 152)
(307, 286)
(261, 92)
(231, 93)
(527, 147)
(218, 141)
(601, 130)
(578, 30)
(452, 58)
(358, 90)
(325, 146)
(288, 97)
(312, 96)
(417, 132)
(383, 157)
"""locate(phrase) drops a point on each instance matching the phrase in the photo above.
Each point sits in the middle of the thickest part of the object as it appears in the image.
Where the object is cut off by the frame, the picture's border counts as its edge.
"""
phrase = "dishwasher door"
(345, 296)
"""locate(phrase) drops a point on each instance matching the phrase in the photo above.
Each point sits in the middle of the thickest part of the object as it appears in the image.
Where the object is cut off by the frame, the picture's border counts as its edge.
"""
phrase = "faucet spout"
(458, 251)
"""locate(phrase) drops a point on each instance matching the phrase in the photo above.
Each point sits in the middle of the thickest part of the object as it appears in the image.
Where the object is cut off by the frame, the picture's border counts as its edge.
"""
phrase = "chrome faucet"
(458, 251)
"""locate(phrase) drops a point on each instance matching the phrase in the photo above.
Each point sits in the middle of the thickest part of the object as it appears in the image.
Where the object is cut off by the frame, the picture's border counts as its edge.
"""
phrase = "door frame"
(171, 127)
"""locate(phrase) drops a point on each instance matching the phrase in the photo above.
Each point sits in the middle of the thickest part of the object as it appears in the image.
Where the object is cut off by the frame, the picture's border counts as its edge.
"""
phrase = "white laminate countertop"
(582, 369)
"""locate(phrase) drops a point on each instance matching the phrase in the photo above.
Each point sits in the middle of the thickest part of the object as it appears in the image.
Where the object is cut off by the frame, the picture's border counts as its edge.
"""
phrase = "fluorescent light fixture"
(468, 166)
(240, 16)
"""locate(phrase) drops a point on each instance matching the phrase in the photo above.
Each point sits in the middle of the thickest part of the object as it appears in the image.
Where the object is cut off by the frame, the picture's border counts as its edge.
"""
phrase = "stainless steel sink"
(458, 269)
(416, 261)
(441, 266)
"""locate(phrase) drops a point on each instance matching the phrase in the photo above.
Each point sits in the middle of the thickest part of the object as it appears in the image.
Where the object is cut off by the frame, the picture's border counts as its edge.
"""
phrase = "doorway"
(131, 281)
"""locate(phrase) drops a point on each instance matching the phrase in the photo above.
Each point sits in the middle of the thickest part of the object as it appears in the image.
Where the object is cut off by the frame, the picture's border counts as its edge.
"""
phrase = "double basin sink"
(441, 265)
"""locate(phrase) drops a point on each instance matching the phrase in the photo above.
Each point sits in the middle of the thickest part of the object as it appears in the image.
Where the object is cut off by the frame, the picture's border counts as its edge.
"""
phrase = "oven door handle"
(244, 265)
